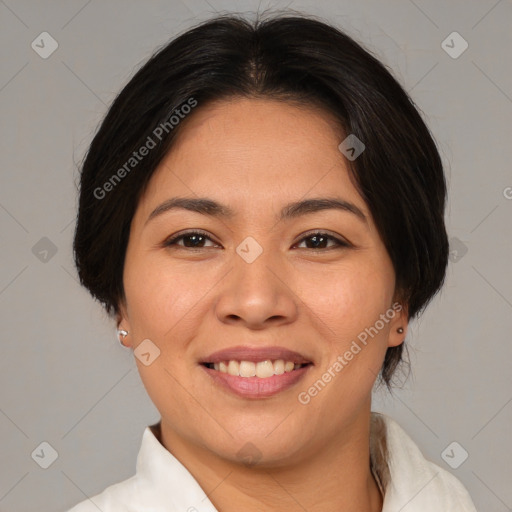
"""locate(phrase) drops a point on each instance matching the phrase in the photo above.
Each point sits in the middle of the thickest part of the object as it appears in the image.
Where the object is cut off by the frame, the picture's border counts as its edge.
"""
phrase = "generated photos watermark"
(151, 142)
(304, 397)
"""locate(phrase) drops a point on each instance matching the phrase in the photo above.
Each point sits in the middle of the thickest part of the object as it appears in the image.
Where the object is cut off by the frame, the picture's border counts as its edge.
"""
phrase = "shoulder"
(416, 482)
(130, 494)
(121, 494)
(160, 482)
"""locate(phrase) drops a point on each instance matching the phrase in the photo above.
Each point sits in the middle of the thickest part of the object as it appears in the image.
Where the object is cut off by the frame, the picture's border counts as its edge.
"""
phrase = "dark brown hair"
(288, 58)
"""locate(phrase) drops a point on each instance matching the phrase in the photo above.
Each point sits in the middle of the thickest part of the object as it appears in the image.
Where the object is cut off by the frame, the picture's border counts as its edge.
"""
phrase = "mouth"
(256, 373)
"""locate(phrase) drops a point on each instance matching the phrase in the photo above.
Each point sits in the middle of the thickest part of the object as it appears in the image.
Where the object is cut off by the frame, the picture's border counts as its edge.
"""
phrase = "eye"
(319, 239)
(196, 238)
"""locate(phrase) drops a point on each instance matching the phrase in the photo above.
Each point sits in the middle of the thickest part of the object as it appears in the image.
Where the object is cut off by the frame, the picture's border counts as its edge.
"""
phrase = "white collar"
(412, 483)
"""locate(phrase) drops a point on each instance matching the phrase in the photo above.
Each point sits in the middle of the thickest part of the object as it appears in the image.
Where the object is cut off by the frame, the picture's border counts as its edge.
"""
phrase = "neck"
(332, 477)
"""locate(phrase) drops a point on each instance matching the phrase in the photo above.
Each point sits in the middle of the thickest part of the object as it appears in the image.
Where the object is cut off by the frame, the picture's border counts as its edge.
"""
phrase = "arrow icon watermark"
(352, 147)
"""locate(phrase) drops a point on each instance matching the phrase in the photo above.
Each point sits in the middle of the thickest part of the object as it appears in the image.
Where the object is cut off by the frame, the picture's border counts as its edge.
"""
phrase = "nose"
(258, 294)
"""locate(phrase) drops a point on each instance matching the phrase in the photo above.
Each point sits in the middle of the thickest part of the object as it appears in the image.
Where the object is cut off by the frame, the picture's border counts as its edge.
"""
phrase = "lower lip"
(255, 387)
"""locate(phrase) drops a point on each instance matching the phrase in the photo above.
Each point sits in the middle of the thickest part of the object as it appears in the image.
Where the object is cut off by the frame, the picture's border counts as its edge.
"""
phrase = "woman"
(261, 210)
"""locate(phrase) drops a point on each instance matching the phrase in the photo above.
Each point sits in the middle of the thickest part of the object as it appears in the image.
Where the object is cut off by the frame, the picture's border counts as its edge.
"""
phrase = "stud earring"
(400, 330)
(121, 335)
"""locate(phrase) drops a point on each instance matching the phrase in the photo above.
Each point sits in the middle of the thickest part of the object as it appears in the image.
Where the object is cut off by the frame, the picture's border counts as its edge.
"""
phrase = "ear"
(398, 321)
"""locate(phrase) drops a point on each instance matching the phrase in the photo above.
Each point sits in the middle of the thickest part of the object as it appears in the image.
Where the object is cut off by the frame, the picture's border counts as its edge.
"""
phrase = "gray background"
(64, 378)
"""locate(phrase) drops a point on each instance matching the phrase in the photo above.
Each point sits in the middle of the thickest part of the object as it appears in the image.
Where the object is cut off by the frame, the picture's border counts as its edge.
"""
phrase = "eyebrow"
(206, 206)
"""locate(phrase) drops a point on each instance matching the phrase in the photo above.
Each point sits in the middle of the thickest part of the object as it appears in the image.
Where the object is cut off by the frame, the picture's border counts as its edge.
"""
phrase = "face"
(267, 285)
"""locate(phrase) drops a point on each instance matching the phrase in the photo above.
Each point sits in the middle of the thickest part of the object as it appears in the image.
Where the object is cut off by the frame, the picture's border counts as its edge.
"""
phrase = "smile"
(262, 379)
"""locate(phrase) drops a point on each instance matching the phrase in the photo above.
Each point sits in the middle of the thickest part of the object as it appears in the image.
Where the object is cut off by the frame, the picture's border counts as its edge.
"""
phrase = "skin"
(255, 156)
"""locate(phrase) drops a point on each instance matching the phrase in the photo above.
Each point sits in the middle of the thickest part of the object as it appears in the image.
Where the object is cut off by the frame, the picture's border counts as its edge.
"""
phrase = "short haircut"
(289, 58)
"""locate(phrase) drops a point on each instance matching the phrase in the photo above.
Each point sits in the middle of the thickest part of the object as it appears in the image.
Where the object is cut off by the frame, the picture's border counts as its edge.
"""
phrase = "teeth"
(247, 369)
(234, 368)
(264, 369)
(261, 369)
(279, 367)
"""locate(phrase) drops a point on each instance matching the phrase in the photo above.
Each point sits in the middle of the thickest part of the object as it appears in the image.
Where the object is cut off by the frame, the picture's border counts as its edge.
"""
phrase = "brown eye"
(319, 241)
(191, 240)
(197, 239)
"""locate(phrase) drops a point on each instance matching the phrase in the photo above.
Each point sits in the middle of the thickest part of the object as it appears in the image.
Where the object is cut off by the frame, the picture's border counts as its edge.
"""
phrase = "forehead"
(249, 150)
(241, 126)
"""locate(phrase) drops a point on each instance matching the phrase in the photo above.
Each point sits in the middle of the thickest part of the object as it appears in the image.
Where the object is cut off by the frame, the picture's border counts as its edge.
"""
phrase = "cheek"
(348, 299)
(163, 297)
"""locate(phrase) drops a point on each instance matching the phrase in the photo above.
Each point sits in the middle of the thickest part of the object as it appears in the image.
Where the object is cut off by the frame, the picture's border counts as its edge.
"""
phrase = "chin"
(259, 450)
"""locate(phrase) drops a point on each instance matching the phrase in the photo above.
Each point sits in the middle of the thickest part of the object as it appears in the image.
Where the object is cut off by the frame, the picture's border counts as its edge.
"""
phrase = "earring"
(121, 335)
(400, 330)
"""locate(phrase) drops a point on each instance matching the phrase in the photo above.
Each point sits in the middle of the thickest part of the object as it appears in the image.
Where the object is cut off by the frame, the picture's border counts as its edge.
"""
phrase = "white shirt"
(408, 481)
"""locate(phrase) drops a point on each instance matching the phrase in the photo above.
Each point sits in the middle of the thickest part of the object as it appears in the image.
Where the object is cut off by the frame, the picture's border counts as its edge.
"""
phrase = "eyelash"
(172, 241)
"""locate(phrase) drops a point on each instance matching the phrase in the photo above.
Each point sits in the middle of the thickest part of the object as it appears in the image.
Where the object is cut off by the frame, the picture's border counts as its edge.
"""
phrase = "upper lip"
(255, 354)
